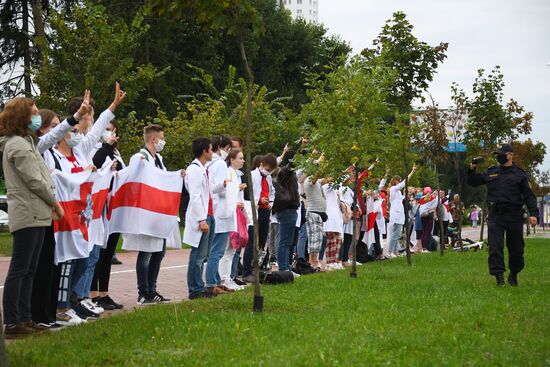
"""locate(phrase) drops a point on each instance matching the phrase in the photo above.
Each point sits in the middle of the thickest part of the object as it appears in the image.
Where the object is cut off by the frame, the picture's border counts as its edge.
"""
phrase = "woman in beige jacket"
(31, 202)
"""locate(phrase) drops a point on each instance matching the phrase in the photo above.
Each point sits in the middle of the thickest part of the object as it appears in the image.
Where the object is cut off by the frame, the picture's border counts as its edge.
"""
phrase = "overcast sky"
(480, 33)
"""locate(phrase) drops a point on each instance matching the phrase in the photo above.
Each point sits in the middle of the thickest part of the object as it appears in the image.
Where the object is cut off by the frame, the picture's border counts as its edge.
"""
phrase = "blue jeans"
(196, 260)
(148, 269)
(287, 225)
(302, 241)
(219, 243)
(82, 288)
(395, 235)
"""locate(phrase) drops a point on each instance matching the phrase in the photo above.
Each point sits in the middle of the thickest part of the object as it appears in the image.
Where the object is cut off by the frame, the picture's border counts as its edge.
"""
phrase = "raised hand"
(85, 107)
(113, 138)
(119, 97)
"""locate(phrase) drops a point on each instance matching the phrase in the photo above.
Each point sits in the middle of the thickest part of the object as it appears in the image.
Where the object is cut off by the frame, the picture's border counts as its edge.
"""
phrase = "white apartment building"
(305, 9)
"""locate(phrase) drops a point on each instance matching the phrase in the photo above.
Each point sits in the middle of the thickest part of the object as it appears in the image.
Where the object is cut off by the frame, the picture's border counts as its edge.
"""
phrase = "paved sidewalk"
(172, 282)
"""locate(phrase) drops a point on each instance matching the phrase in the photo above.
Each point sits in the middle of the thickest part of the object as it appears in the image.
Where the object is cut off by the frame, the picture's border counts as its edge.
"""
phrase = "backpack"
(302, 267)
(276, 277)
(362, 253)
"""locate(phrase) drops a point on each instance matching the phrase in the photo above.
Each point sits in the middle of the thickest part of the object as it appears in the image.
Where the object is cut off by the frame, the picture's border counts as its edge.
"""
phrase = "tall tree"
(237, 18)
(415, 61)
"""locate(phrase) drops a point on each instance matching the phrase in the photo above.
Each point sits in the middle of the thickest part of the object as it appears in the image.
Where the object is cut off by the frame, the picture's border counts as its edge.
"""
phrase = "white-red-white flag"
(73, 191)
(100, 192)
(145, 200)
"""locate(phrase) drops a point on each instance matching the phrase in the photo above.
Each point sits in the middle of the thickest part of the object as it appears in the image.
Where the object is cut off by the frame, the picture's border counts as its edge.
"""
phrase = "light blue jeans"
(217, 249)
(302, 241)
(82, 288)
(395, 235)
(197, 257)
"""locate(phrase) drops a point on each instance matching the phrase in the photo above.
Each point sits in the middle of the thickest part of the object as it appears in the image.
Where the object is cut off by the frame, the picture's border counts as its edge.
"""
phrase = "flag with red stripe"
(100, 191)
(73, 191)
(145, 200)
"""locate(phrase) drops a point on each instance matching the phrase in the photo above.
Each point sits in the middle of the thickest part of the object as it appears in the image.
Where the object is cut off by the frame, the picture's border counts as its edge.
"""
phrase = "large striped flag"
(145, 200)
(100, 191)
(73, 191)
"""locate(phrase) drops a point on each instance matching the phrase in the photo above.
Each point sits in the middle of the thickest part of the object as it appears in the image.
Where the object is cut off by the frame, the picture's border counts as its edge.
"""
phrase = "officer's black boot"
(513, 279)
(500, 280)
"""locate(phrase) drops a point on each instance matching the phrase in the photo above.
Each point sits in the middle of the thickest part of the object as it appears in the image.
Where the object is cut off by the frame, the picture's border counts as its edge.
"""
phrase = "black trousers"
(344, 249)
(102, 273)
(45, 286)
(27, 244)
(263, 231)
(511, 225)
(376, 245)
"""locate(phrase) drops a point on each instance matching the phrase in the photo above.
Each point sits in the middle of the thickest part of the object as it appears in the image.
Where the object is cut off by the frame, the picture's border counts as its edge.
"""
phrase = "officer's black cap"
(504, 148)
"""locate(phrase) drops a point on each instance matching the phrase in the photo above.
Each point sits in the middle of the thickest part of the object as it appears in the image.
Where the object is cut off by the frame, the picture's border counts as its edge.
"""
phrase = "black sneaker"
(239, 282)
(513, 279)
(100, 301)
(84, 313)
(500, 280)
(144, 300)
(158, 298)
(110, 301)
(203, 294)
(115, 261)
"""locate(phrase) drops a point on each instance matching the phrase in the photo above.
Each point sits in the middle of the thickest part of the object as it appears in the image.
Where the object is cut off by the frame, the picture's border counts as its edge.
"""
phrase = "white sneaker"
(296, 275)
(89, 305)
(230, 285)
(69, 318)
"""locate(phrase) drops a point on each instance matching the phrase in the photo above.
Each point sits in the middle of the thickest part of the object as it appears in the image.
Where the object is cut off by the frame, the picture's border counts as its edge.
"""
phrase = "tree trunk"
(483, 213)
(406, 209)
(26, 48)
(258, 299)
(39, 32)
(356, 226)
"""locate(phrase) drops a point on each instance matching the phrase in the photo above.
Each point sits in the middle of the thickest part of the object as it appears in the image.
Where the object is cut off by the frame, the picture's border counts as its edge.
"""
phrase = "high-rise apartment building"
(305, 9)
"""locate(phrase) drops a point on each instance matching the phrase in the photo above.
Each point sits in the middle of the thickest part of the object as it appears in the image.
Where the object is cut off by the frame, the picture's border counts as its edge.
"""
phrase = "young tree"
(347, 128)
(415, 61)
(237, 18)
(490, 121)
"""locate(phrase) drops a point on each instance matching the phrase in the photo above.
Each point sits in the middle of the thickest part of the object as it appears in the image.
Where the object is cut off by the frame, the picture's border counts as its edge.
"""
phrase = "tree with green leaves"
(237, 18)
(90, 53)
(415, 61)
(346, 128)
(490, 120)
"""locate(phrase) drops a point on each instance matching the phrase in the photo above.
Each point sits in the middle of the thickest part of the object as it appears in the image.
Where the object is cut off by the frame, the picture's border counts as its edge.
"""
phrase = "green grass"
(442, 311)
(6, 244)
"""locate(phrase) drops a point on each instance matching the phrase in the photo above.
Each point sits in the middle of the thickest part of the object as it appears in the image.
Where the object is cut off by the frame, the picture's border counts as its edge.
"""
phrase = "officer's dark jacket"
(506, 187)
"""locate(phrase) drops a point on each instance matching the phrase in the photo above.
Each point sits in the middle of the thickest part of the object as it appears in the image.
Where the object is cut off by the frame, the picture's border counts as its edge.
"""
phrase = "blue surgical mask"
(36, 122)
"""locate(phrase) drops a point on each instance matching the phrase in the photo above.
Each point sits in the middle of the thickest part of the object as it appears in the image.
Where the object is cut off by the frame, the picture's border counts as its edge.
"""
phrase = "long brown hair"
(47, 117)
(16, 117)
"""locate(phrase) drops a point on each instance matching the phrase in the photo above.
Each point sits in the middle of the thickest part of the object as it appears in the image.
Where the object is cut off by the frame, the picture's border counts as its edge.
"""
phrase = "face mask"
(265, 172)
(223, 154)
(160, 145)
(106, 136)
(36, 122)
(501, 158)
(75, 139)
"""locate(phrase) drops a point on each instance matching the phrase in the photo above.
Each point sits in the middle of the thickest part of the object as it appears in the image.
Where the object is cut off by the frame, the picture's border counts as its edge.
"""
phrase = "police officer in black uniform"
(507, 190)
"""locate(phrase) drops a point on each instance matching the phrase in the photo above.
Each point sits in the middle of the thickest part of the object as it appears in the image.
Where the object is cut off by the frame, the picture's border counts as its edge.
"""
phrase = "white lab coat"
(257, 186)
(198, 185)
(224, 198)
(83, 150)
(335, 222)
(397, 212)
(346, 196)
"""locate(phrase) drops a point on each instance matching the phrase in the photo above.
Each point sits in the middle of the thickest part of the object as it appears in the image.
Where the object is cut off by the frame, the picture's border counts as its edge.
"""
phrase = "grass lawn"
(442, 311)
(5, 244)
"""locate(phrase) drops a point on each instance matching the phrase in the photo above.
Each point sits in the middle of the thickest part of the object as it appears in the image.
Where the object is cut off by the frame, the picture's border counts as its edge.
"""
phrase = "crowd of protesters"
(300, 217)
